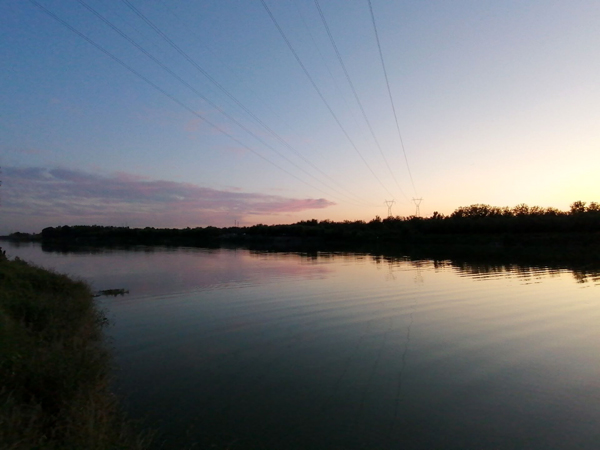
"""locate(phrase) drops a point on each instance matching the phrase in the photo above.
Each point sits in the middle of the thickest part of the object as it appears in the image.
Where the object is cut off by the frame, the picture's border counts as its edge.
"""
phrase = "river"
(241, 349)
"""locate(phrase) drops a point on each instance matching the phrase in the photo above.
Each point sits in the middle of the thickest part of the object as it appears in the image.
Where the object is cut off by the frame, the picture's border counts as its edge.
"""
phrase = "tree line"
(477, 219)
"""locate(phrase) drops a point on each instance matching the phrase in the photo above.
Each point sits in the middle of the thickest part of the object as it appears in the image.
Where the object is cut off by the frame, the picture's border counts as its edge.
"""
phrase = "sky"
(181, 113)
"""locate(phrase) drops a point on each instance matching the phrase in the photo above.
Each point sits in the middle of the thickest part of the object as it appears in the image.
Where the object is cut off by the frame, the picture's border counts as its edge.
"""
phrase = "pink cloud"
(51, 197)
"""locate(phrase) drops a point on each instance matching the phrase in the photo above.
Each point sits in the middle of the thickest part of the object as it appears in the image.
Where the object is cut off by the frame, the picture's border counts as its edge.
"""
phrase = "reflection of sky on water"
(158, 269)
(351, 351)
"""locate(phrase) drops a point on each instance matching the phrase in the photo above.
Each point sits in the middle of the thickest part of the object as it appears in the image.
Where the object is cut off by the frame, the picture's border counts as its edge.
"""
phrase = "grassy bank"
(54, 366)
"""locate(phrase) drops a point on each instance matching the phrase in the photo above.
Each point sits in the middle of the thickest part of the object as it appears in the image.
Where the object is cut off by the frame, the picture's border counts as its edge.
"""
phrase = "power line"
(362, 109)
(314, 42)
(231, 96)
(195, 91)
(320, 94)
(390, 95)
(162, 91)
(268, 129)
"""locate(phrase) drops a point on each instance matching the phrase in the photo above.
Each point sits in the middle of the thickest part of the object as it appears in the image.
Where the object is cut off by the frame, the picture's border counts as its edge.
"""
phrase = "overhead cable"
(387, 82)
(199, 94)
(165, 93)
(224, 90)
(314, 42)
(288, 43)
(362, 110)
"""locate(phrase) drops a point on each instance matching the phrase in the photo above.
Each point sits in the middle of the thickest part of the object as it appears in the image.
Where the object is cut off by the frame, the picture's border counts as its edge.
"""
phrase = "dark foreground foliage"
(54, 366)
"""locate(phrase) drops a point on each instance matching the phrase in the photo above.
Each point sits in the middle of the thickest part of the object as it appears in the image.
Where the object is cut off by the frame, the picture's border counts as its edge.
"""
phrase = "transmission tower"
(389, 204)
(417, 202)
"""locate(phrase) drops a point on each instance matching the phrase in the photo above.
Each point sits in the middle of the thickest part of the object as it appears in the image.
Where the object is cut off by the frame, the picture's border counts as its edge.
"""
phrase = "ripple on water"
(352, 351)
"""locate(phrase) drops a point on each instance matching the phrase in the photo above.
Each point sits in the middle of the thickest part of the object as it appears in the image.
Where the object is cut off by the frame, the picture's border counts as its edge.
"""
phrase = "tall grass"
(54, 366)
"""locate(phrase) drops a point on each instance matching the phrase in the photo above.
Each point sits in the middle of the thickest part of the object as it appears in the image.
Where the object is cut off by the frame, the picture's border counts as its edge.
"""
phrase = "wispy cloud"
(50, 197)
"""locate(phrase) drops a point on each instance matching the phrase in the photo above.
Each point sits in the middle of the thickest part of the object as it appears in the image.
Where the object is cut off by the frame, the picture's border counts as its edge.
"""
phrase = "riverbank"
(55, 367)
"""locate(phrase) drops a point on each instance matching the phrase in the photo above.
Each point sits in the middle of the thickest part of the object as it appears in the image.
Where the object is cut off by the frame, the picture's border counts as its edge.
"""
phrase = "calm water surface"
(349, 351)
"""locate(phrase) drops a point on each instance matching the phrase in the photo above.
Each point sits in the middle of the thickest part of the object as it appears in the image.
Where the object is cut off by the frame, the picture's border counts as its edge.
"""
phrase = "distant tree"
(577, 207)
(536, 211)
(459, 212)
(312, 222)
(553, 212)
(521, 210)
(477, 210)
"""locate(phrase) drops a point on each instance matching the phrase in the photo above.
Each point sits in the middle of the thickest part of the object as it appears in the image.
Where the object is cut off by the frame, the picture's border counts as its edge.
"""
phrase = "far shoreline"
(475, 229)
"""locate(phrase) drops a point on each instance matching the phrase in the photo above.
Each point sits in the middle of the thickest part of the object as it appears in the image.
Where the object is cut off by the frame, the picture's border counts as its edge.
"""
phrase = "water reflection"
(482, 270)
(476, 268)
(327, 350)
(157, 270)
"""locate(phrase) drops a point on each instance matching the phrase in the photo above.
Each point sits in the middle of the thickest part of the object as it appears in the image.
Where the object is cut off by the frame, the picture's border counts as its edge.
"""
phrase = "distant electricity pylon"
(389, 204)
(417, 202)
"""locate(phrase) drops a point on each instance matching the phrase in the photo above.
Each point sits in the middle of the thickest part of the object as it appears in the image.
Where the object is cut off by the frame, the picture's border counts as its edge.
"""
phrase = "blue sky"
(497, 102)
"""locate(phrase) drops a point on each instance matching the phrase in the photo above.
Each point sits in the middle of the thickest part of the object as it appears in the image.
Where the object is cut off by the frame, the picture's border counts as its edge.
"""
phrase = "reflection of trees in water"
(526, 272)
(487, 270)
(586, 275)
(478, 269)
(481, 269)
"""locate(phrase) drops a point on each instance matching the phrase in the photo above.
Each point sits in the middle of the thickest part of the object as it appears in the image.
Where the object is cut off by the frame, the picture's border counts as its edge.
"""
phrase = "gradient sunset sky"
(172, 113)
